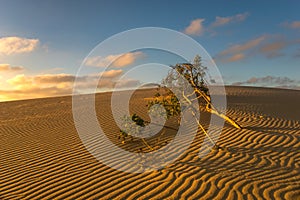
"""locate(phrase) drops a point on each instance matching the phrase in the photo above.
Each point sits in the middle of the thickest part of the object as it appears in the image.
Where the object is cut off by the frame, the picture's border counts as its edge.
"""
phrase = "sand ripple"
(42, 156)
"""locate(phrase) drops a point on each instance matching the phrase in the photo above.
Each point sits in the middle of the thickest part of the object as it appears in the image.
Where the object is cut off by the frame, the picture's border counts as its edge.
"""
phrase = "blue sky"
(252, 42)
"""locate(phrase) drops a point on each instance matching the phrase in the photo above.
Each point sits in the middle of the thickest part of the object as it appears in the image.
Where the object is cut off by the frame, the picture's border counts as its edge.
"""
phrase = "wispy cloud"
(195, 27)
(238, 48)
(236, 57)
(279, 82)
(292, 25)
(9, 68)
(120, 60)
(111, 73)
(238, 51)
(221, 21)
(270, 46)
(124, 83)
(273, 49)
(16, 45)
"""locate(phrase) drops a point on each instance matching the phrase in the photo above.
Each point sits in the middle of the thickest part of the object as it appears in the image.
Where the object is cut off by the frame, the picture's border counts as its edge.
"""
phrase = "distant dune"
(42, 156)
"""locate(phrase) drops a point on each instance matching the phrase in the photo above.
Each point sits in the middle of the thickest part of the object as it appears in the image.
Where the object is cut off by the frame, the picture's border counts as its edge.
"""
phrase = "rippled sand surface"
(42, 156)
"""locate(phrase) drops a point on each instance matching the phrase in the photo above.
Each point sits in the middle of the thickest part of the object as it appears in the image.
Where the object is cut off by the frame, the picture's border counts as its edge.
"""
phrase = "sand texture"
(42, 156)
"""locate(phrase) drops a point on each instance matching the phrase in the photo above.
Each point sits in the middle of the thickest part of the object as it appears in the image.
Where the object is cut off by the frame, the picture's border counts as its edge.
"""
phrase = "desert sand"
(42, 156)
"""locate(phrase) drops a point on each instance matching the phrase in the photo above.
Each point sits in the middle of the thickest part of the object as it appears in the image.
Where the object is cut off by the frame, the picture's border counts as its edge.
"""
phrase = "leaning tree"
(195, 74)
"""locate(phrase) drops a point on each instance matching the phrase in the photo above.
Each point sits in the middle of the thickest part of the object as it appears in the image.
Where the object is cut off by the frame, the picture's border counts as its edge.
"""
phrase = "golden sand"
(42, 156)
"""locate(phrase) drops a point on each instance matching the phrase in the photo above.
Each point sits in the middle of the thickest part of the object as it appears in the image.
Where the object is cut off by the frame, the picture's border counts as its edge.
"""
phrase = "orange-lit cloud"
(26, 87)
(39, 81)
(221, 21)
(273, 49)
(9, 68)
(236, 57)
(195, 27)
(120, 60)
(238, 52)
(15, 45)
(125, 83)
(292, 25)
(270, 46)
(238, 48)
(48, 79)
(33, 92)
(111, 73)
(47, 85)
(20, 81)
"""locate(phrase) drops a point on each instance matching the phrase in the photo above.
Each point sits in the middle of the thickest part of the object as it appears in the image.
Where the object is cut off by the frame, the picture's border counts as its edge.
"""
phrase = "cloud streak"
(266, 45)
(279, 82)
(236, 57)
(292, 25)
(238, 48)
(120, 60)
(238, 52)
(221, 21)
(273, 49)
(17, 45)
(195, 27)
(9, 68)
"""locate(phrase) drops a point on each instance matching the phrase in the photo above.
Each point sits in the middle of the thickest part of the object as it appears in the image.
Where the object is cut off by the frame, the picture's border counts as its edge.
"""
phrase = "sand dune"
(42, 156)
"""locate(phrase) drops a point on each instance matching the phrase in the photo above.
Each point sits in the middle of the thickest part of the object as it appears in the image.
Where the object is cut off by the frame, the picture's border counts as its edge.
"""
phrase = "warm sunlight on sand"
(42, 156)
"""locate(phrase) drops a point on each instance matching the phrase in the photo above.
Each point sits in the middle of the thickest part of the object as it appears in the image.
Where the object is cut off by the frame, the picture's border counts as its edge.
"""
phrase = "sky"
(44, 43)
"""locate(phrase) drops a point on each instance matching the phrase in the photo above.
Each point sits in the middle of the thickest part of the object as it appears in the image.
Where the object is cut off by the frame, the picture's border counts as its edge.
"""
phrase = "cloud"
(100, 61)
(120, 60)
(273, 49)
(111, 73)
(46, 85)
(238, 52)
(55, 79)
(236, 57)
(292, 25)
(123, 83)
(128, 83)
(195, 27)
(221, 21)
(23, 81)
(28, 87)
(53, 70)
(270, 46)
(16, 45)
(9, 68)
(271, 81)
(33, 92)
(243, 47)
(20, 79)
